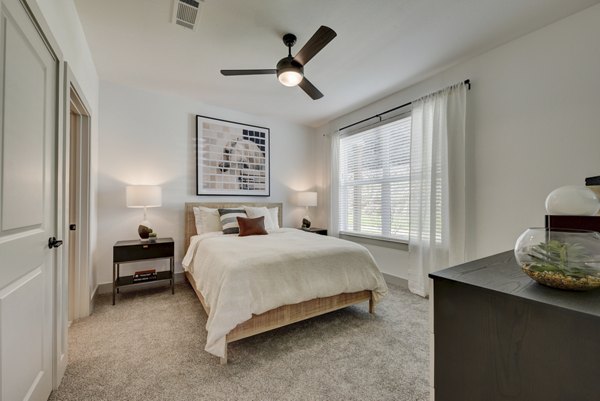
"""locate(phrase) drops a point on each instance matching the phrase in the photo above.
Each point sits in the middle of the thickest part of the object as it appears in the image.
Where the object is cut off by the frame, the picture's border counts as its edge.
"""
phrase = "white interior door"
(28, 132)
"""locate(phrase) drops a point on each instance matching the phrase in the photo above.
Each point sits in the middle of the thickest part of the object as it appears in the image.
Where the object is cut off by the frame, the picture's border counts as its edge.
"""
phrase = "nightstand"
(316, 230)
(135, 251)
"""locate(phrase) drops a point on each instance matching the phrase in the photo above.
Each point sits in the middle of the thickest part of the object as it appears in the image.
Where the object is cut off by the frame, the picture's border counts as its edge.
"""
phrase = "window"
(374, 169)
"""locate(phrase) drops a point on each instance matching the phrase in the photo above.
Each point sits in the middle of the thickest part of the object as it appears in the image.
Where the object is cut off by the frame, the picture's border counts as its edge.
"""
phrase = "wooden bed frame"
(283, 315)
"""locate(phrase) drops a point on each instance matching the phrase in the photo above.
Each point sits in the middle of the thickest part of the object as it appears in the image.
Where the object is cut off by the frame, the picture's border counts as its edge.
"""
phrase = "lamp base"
(144, 230)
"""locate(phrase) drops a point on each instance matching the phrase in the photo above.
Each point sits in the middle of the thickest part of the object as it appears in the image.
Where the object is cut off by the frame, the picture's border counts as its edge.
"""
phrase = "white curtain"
(334, 146)
(437, 185)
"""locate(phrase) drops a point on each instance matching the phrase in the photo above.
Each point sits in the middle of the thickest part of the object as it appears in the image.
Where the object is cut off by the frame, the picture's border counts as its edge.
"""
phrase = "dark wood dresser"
(498, 335)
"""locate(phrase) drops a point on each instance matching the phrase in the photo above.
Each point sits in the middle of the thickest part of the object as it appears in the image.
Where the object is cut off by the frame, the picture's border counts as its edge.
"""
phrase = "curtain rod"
(466, 82)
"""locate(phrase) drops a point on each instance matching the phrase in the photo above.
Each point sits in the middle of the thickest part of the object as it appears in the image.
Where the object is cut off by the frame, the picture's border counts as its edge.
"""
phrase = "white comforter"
(241, 276)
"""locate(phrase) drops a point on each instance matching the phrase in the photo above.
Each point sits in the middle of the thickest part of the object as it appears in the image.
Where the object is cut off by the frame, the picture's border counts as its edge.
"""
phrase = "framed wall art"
(232, 158)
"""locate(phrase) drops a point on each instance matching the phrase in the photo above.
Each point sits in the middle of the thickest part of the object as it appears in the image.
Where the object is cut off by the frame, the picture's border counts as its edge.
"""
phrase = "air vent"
(187, 13)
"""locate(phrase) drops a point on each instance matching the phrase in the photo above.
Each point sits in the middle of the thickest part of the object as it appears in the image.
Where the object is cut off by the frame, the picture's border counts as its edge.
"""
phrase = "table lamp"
(145, 196)
(307, 199)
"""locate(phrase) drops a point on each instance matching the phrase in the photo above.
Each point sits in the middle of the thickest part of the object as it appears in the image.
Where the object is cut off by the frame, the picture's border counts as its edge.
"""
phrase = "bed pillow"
(229, 220)
(255, 226)
(275, 217)
(254, 212)
(207, 220)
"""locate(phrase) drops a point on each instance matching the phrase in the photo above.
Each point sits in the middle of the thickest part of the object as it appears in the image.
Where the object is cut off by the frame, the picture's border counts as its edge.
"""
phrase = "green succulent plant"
(560, 257)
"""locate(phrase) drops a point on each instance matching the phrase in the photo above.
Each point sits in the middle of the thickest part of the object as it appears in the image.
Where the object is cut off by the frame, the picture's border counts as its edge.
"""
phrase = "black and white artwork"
(232, 158)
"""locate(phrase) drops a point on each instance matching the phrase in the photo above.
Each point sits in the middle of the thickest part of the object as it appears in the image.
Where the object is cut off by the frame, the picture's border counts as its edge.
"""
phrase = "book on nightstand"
(144, 275)
(589, 181)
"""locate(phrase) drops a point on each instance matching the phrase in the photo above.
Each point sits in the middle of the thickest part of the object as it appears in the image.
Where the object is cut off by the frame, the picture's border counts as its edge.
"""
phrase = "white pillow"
(207, 220)
(275, 217)
(254, 212)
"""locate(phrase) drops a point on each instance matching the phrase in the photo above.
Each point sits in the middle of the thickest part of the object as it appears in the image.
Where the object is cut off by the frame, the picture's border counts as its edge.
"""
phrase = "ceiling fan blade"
(310, 89)
(315, 44)
(247, 72)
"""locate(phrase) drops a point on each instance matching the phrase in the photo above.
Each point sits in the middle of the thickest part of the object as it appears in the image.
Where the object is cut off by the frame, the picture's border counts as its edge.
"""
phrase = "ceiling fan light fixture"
(290, 78)
(289, 71)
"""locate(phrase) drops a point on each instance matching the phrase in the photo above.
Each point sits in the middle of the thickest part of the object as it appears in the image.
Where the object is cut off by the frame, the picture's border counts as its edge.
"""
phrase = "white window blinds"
(374, 169)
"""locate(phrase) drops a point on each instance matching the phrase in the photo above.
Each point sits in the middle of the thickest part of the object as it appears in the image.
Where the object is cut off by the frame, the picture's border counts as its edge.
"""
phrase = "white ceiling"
(382, 46)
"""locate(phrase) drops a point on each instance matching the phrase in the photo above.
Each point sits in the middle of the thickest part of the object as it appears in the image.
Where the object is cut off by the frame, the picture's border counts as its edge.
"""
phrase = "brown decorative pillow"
(252, 226)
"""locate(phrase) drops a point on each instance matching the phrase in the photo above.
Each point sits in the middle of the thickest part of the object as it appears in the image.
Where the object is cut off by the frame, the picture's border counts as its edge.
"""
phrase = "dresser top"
(503, 274)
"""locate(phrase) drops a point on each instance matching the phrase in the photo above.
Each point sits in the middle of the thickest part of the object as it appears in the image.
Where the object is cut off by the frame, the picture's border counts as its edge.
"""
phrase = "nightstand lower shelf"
(128, 280)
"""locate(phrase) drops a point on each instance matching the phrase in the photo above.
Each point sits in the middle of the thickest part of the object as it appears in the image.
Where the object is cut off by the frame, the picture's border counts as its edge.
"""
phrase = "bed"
(250, 285)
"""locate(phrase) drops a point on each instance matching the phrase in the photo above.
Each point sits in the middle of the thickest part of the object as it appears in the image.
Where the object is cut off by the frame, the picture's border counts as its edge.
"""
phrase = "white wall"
(59, 19)
(63, 21)
(533, 122)
(149, 138)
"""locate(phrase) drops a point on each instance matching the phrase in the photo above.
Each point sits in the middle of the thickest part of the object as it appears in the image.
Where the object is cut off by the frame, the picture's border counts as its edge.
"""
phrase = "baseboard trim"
(93, 299)
(106, 288)
(395, 280)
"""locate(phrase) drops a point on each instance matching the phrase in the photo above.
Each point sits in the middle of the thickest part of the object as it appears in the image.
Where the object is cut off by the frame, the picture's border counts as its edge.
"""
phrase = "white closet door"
(28, 132)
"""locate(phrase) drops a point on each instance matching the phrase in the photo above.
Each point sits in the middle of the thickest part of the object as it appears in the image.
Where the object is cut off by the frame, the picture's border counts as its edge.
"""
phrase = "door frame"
(71, 94)
(75, 101)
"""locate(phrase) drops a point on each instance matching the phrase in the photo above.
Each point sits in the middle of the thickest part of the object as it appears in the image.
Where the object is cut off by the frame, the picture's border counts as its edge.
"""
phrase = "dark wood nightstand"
(135, 251)
(316, 230)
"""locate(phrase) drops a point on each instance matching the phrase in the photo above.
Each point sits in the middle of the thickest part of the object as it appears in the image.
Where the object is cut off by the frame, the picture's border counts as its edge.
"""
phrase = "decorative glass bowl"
(560, 258)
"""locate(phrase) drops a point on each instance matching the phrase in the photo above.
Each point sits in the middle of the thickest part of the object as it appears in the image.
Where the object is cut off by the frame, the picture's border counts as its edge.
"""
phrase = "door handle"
(54, 243)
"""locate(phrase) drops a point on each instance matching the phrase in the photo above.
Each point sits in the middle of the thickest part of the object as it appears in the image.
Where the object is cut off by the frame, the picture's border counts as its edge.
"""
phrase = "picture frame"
(232, 159)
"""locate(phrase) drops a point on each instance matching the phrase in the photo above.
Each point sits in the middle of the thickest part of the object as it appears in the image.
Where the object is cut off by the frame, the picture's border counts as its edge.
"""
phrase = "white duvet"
(241, 276)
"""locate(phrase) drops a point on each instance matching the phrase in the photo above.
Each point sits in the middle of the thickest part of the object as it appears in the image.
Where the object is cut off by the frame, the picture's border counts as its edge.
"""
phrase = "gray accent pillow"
(229, 220)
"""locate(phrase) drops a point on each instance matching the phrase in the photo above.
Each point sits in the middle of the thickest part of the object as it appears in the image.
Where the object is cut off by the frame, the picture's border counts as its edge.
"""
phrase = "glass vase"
(560, 258)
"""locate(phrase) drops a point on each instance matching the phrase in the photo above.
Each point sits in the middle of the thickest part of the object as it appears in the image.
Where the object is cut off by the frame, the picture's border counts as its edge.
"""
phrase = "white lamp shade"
(144, 196)
(307, 198)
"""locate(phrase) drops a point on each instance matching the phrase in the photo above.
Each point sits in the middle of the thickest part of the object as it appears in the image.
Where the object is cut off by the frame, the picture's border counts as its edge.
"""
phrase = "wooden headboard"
(190, 221)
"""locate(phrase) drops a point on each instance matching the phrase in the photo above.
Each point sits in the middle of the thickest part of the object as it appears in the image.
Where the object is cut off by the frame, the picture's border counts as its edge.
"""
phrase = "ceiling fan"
(290, 70)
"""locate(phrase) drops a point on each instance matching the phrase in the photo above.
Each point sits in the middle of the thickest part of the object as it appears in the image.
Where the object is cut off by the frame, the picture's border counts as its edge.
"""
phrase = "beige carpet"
(150, 346)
